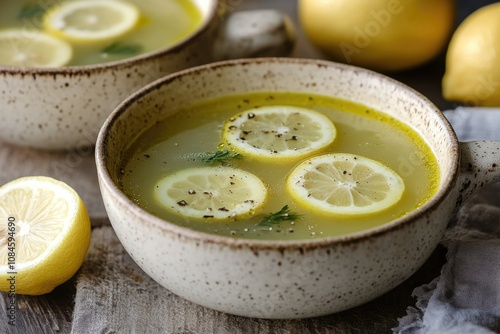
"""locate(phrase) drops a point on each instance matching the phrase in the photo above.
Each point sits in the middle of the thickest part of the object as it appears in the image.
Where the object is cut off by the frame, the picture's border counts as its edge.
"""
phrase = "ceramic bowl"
(63, 108)
(280, 279)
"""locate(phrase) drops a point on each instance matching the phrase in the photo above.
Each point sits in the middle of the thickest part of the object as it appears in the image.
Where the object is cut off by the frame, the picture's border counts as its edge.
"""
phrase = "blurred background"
(465, 7)
(426, 78)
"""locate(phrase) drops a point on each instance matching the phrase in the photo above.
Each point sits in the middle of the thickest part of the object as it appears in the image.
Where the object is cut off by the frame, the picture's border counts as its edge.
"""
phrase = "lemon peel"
(33, 48)
(344, 184)
(278, 133)
(91, 21)
(211, 192)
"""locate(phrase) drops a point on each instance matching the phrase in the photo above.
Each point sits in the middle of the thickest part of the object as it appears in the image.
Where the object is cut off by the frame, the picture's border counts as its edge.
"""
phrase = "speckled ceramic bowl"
(271, 279)
(64, 108)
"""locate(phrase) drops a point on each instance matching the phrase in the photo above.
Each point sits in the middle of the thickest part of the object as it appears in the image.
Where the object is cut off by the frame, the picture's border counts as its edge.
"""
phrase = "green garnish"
(219, 156)
(120, 48)
(29, 11)
(275, 218)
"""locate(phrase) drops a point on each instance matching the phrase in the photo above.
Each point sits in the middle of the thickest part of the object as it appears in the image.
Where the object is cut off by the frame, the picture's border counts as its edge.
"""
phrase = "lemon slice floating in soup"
(279, 132)
(211, 192)
(91, 20)
(20, 47)
(345, 184)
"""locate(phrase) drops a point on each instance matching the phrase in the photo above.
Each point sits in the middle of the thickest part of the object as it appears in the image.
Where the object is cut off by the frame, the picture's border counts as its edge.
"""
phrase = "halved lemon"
(44, 234)
(345, 184)
(91, 20)
(279, 132)
(32, 48)
(211, 192)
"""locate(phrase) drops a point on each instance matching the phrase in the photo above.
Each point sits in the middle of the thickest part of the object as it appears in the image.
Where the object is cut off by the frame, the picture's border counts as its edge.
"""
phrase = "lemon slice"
(44, 234)
(33, 49)
(211, 192)
(91, 20)
(279, 132)
(345, 184)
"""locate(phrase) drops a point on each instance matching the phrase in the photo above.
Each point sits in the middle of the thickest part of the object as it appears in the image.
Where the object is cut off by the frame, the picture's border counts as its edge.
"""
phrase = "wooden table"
(110, 294)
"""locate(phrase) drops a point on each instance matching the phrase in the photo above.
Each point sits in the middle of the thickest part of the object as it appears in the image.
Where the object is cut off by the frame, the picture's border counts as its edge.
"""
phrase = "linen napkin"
(465, 298)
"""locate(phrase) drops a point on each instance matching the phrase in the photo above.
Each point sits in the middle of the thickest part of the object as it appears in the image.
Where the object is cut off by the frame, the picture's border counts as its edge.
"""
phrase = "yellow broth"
(162, 23)
(175, 142)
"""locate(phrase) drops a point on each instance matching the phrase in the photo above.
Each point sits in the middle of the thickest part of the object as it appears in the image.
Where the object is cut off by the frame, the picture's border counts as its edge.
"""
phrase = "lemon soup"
(55, 33)
(279, 166)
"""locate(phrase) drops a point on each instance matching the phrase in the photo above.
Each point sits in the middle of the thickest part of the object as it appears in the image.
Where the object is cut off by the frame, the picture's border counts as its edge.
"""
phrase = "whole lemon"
(472, 74)
(385, 35)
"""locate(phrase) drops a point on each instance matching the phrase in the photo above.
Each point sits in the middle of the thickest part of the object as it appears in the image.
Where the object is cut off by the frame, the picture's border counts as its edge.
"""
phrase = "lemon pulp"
(348, 184)
(279, 132)
(91, 20)
(211, 192)
(20, 47)
(44, 234)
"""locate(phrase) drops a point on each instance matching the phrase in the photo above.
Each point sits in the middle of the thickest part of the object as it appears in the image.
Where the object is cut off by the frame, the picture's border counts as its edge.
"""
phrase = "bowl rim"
(123, 63)
(449, 180)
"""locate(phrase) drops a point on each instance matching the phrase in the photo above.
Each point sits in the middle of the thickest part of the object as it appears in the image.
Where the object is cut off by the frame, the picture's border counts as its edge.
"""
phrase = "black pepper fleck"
(182, 203)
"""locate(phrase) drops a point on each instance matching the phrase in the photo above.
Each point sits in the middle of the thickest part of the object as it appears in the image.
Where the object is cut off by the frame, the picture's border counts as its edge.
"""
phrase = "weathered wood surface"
(113, 294)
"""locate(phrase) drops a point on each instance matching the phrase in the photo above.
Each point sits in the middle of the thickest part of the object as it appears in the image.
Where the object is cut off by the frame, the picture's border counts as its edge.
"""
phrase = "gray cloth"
(465, 298)
(475, 123)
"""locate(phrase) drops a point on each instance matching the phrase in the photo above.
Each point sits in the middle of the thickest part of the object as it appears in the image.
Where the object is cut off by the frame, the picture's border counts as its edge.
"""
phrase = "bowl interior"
(209, 9)
(165, 96)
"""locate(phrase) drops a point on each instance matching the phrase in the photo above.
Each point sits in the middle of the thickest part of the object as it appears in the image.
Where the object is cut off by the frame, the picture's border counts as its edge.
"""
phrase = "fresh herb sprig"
(221, 156)
(29, 11)
(121, 48)
(284, 214)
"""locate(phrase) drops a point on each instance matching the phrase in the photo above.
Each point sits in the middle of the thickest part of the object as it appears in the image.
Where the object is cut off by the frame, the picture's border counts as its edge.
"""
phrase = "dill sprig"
(221, 156)
(284, 214)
